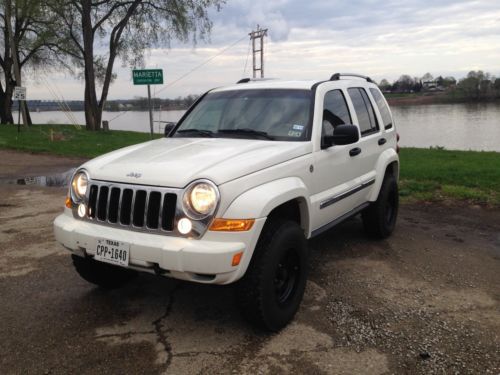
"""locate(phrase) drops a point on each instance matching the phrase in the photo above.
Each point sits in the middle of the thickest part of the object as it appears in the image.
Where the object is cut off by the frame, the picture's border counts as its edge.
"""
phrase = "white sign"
(19, 93)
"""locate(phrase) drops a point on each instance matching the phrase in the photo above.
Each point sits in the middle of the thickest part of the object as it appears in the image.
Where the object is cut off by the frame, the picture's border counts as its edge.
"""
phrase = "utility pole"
(13, 52)
(254, 35)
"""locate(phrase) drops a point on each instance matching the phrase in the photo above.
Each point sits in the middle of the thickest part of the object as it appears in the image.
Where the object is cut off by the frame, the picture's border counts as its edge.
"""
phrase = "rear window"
(366, 116)
(382, 107)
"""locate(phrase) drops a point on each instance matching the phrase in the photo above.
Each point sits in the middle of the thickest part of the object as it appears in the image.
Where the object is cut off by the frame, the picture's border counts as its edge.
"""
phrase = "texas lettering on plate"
(110, 251)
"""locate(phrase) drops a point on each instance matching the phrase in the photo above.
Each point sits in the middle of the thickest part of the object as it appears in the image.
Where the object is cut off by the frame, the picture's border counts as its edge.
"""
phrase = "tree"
(32, 46)
(384, 85)
(404, 83)
(94, 33)
(477, 85)
(427, 77)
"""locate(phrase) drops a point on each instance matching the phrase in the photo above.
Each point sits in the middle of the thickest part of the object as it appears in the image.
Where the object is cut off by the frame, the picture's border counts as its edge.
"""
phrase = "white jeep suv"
(236, 187)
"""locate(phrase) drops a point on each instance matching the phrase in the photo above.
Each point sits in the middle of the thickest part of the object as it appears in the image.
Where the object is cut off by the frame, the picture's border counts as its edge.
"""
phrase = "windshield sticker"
(293, 133)
(298, 127)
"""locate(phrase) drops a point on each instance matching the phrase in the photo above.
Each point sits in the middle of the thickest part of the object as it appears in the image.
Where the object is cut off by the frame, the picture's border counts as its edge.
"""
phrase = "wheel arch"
(286, 198)
(387, 163)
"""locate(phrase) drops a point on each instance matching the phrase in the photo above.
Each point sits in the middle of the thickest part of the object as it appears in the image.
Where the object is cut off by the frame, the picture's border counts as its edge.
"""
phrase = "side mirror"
(342, 135)
(169, 126)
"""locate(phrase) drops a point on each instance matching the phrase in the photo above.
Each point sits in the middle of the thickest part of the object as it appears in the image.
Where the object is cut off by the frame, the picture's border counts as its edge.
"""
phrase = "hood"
(175, 162)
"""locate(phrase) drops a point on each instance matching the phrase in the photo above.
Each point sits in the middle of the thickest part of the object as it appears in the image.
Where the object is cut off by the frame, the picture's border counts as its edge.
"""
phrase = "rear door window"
(382, 107)
(368, 123)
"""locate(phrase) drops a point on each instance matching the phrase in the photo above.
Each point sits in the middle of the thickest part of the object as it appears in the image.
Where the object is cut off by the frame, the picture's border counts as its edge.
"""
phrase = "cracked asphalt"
(427, 300)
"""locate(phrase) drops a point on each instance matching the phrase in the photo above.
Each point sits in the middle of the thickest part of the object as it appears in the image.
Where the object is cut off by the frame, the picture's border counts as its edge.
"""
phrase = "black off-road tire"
(270, 293)
(379, 219)
(102, 274)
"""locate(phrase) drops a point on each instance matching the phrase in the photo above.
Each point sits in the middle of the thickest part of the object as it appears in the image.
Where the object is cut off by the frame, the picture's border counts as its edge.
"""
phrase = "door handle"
(382, 141)
(355, 151)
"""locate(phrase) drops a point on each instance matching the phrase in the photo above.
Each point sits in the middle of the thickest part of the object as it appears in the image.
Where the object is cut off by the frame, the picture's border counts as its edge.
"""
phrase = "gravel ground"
(424, 301)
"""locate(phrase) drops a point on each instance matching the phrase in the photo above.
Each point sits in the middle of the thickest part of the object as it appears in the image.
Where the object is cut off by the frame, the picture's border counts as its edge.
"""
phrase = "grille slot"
(140, 208)
(102, 203)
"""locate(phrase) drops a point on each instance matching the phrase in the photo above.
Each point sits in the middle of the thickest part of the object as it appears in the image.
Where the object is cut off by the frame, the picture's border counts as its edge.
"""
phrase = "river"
(452, 126)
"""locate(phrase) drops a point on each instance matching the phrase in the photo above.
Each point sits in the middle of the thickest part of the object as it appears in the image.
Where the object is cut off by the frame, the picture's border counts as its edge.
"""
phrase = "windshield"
(272, 114)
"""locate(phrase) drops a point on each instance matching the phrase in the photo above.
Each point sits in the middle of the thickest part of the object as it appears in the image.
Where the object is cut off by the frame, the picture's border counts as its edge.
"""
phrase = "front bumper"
(207, 260)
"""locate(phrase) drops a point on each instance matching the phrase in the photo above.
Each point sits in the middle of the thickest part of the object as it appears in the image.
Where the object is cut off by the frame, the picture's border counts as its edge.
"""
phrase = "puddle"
(55, 180)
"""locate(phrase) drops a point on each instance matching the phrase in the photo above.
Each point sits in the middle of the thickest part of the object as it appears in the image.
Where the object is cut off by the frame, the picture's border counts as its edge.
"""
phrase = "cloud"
(314, 38)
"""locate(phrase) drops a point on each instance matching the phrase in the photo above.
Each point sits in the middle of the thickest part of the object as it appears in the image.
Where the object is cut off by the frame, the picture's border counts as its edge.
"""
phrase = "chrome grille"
(137, 207)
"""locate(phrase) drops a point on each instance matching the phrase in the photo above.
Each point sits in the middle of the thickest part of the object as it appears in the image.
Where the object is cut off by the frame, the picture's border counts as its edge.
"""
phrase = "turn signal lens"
(232, 225)
(68, 202)
(236, 259)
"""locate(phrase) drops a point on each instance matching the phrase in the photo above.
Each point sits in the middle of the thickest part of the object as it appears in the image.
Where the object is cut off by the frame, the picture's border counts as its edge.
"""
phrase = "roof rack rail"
(337, 76)
(244, 80)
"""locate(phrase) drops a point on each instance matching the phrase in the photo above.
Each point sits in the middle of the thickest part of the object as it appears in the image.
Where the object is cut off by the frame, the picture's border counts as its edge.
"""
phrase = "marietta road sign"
(147, 76)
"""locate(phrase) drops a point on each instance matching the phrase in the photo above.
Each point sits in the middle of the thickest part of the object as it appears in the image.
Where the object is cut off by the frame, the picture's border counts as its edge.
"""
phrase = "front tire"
(379, 219)
(270, 293)
(102, 274)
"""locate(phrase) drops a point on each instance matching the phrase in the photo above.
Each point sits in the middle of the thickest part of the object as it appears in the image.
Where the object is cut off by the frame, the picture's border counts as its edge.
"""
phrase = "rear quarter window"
(383, 108)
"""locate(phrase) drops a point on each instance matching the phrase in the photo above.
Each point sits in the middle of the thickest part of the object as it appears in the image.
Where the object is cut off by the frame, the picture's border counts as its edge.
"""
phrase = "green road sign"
(147, 76)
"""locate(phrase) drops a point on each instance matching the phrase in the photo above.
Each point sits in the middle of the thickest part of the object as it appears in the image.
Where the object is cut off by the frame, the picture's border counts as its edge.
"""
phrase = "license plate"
(114, 252)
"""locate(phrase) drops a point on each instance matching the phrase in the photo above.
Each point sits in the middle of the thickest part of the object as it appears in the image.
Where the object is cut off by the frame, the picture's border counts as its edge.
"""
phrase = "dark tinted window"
(382, 107)
(335, 111)
(366, 116)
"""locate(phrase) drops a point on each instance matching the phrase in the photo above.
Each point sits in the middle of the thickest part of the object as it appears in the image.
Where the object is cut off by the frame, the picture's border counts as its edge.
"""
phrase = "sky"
(312, 40)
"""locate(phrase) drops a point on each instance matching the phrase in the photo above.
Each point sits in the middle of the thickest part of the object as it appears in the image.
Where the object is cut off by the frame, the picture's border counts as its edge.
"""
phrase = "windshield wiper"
(247, 131)
(205, 133)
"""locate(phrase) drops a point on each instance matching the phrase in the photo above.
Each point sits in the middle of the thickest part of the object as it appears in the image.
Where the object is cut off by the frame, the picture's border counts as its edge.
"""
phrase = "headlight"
(200, 199)
(79, 186)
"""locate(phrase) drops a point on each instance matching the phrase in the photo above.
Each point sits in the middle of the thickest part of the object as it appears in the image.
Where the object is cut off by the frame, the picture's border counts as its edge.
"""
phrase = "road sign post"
(148, 77)
(19, 94)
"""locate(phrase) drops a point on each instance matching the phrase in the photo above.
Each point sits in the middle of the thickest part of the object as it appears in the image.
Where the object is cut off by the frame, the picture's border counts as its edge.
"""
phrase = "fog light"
(184, 226)
(82, 210)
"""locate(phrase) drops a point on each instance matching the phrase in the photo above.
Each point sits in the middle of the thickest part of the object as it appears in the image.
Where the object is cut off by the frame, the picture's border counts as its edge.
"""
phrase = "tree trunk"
(92, 112)
(6, 105)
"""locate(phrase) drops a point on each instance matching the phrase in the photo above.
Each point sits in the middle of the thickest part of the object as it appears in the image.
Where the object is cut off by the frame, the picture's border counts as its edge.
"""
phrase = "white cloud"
(313, 39)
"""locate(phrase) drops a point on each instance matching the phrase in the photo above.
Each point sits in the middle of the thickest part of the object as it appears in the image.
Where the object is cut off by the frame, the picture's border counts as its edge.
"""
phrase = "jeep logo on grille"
(134, 174)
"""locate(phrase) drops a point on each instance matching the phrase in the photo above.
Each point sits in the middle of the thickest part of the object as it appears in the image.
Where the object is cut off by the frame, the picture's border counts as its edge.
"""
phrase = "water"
(469, 126)
(452, 126)
(54, 180)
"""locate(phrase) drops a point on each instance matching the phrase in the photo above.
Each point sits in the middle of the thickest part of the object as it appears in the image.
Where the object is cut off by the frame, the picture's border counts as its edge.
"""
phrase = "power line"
(200, 65)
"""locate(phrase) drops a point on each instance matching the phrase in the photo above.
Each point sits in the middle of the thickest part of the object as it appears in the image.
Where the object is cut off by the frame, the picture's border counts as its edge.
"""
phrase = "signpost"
(148, 77)
(19, 94)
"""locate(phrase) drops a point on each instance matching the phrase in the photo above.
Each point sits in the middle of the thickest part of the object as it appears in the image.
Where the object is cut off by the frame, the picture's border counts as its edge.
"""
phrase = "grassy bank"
(425, 174)
(67, 140)
(441, 174)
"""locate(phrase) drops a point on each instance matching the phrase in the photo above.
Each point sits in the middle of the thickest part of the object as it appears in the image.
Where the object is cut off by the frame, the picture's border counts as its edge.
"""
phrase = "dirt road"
(427, 300)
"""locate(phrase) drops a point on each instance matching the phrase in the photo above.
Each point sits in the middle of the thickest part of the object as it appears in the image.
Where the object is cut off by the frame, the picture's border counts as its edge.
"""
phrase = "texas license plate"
(114, 252)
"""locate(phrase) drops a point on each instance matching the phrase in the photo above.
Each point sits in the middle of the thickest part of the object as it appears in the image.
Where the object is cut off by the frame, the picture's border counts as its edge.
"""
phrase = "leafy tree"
(404, 83)
(384, 85)
(33, 46)
(477, 85)
(427, 77)
(94, 33)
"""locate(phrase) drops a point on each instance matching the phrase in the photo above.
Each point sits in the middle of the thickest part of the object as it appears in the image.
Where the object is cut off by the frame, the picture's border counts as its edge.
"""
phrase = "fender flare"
(385, 159)
(259, 201)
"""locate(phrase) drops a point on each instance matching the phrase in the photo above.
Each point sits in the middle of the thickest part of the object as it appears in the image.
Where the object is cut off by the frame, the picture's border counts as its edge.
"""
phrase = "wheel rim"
(287, 276)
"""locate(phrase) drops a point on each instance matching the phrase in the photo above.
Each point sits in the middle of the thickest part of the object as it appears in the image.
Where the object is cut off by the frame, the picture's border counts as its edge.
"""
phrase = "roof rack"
(246, 80)
(337, 76)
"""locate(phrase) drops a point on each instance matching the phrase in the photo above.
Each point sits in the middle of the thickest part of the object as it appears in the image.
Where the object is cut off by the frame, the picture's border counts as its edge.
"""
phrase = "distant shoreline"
(438, 98)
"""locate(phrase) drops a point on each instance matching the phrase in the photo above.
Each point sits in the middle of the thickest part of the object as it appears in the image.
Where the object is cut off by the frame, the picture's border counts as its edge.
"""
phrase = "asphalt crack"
(158, 325)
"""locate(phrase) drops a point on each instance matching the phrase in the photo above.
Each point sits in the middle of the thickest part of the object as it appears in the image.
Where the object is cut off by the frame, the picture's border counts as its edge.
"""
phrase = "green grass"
(426, 174)
(432, 174)
(67, 140)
